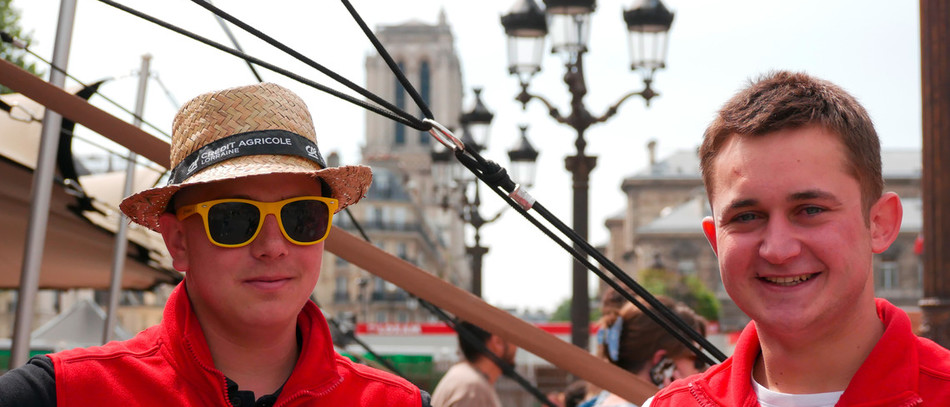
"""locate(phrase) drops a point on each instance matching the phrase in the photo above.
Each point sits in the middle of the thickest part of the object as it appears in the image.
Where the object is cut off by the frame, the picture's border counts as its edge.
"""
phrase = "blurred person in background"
(631, 340)
(471, 382)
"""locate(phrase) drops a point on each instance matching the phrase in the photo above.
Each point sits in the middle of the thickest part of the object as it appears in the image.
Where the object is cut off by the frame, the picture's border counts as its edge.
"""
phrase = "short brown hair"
(641, 337)
(787, 100)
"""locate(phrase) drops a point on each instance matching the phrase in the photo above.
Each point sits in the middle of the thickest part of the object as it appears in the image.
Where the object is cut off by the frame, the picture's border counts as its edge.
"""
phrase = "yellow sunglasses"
(304, 220)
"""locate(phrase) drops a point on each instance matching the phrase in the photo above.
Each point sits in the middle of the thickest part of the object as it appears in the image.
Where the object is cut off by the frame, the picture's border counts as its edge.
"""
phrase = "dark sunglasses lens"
(233, 222)
(306, 220)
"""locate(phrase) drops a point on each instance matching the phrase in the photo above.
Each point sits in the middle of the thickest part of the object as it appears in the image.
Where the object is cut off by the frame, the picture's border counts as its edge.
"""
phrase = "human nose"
(779, 244)
(270, 242)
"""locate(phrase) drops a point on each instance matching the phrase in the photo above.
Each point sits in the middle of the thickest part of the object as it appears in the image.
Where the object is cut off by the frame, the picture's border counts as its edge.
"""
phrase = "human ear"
(885, 219)
(709, 229)
(173, 232)
(495, 345)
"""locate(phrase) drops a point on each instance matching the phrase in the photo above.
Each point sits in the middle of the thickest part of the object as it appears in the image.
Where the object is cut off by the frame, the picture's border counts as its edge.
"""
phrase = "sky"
(869, 47)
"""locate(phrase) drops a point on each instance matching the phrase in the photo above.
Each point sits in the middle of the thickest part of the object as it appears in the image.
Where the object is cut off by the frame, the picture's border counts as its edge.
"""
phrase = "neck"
(258, 359)
(488, 368)
(788, 362)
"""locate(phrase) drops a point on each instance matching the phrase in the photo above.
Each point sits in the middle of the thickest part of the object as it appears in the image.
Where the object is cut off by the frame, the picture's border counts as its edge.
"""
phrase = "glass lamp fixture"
(476, 123)
(523, 159)
(569, 24)
(526, 27)
(648, 27)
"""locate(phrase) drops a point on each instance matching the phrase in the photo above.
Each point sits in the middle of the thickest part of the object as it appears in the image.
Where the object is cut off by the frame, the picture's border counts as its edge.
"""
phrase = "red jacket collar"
(315, 371)
(896, 350)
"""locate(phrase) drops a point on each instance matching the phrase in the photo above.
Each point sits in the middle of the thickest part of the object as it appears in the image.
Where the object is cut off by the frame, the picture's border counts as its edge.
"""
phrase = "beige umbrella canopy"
(82, 221)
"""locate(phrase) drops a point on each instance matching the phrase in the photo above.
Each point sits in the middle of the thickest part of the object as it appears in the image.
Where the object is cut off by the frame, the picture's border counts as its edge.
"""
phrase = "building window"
(686, 267)
(402, 251)
(425, 91)
(380, 316)
(340, 293)
(400, 103)
(888, 276)
(370, 214)
(402, 317)
(399, 217)
(383, 185)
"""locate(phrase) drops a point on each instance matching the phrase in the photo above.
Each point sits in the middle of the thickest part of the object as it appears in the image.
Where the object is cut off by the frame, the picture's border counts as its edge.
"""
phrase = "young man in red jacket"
(247, 206)
(792, 168)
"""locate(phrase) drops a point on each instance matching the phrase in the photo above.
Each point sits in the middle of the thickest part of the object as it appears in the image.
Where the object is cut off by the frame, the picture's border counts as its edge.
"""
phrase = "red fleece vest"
(901, 371)
(170, 365)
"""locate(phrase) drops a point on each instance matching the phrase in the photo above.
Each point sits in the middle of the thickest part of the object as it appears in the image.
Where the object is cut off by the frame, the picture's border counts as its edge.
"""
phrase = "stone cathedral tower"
(402, 212)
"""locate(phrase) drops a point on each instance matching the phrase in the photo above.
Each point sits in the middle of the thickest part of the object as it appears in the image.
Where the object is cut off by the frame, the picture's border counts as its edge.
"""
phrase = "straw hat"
(242, 132)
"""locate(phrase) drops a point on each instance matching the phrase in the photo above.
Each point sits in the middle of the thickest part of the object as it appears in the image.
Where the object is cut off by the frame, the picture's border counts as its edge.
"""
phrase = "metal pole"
(580, 166)
(935, 183)
(477, 252)
(40, 194)
(121, 242)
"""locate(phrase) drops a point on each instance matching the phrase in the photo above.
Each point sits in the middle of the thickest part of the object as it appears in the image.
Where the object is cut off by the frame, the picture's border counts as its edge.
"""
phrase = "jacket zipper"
(329, 388)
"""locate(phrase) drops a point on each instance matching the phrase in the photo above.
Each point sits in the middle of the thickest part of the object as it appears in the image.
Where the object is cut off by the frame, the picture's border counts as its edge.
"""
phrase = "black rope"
(6, 37)
(415, 123)
(313, 64)
(423, 106)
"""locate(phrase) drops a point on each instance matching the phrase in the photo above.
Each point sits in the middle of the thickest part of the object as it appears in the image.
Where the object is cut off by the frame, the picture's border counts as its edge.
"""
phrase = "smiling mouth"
(789, 280)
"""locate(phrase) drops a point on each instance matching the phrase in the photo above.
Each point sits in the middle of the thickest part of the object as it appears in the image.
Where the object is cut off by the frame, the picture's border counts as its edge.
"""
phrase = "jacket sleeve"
(33, 384)
(426, 398)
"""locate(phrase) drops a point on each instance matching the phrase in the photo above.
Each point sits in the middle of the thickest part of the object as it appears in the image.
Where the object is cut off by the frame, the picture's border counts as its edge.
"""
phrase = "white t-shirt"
(769, 398)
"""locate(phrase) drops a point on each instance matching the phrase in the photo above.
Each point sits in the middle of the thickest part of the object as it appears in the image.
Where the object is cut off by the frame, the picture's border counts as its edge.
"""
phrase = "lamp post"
(475, 125)
(568, 21)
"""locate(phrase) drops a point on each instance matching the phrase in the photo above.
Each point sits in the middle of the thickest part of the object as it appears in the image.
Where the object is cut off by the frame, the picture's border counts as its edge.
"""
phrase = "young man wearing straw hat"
(792, 167)
(244, 215)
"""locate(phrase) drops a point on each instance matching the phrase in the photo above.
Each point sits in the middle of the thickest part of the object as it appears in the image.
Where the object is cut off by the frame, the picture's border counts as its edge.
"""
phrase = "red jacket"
(902, 370)
(170, 365)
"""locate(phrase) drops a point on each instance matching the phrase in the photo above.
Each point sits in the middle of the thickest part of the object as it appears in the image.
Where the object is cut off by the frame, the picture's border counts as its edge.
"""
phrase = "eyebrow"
(812, 194)
(794, 197)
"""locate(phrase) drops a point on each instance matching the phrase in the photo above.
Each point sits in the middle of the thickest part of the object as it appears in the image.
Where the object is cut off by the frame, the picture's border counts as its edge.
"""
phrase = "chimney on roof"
(651, 149)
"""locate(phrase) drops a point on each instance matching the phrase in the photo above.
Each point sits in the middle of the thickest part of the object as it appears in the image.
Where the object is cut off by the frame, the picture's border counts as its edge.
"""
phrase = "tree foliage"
(687, 289)
(10, 24)
(563, 312)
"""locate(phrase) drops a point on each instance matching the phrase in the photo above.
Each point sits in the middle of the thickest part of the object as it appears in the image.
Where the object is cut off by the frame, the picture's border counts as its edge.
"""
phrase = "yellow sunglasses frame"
(266, 208)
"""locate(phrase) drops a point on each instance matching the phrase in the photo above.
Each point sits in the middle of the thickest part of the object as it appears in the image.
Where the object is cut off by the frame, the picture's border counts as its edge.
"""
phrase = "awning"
(82, 219)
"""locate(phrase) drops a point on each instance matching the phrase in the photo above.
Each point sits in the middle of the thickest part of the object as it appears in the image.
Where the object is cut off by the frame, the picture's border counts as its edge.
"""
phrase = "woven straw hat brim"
(348, 184)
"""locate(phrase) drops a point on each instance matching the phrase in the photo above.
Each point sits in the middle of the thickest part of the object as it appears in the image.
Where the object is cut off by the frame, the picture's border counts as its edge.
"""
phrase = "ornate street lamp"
(568, 21)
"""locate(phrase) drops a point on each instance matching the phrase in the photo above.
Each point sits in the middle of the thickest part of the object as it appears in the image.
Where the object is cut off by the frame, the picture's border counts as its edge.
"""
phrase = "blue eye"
(812, 210)
(745, 217)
